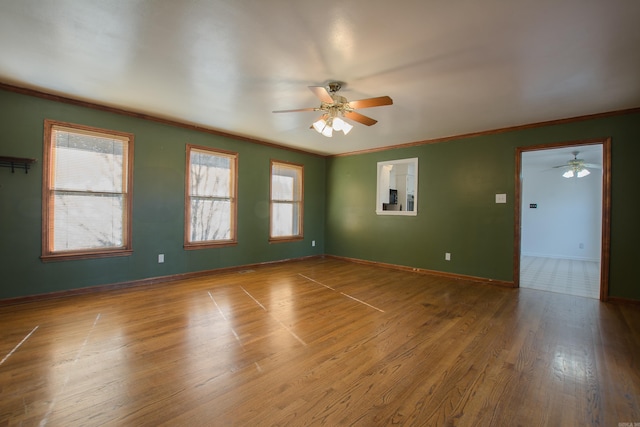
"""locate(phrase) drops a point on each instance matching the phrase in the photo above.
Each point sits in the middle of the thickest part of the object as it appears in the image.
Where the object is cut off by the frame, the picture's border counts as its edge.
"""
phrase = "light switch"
(501, 198)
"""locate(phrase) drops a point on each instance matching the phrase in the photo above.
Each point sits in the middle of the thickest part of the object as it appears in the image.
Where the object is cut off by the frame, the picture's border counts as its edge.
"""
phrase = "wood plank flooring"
(320, 342)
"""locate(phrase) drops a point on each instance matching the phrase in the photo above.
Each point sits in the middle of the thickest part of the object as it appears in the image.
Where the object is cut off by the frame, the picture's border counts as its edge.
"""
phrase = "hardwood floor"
(320, 342)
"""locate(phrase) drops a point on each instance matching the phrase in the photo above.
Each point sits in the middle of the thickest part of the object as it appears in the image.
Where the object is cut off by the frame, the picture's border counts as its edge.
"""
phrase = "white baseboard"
(574, 258)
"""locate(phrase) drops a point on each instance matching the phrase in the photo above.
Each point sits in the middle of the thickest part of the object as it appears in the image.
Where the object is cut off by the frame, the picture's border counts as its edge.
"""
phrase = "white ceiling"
(451, 67)
(548, 160)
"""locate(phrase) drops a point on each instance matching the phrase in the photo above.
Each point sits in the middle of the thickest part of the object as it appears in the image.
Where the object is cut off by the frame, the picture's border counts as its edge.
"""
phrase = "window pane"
(87, 192)
(286, 200)
(210, 219)
(282, 187)
(210, 175)
(282, 223)
(87, 221)
(210, 197)
(88, 163)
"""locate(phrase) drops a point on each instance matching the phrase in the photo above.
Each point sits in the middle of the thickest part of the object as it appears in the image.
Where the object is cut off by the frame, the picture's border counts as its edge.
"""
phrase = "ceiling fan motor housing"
(334, 87)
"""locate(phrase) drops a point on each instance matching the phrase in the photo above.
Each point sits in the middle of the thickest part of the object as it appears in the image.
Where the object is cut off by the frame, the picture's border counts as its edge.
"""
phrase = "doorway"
(562, 206)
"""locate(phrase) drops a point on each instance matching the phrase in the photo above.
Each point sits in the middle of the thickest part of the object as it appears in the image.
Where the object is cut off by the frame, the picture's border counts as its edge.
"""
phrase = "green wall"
(158, 202)
(457, 212)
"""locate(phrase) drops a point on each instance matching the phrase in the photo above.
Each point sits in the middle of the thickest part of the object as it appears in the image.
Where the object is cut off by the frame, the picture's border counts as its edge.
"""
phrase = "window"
(397, 187)
(210, 202)
(87, 193)
(286, 201)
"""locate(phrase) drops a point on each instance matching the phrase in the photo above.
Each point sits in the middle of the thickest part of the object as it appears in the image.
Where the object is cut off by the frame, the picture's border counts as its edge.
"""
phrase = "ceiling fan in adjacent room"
(335, 108)
(577, 167)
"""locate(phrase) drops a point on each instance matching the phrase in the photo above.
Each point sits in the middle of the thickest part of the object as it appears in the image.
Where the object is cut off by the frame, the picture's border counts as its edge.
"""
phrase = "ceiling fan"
(577, 167)
(335, 108)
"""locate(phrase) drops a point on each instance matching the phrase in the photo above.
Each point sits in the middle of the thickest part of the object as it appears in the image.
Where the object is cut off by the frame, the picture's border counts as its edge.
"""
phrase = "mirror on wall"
(397, 187)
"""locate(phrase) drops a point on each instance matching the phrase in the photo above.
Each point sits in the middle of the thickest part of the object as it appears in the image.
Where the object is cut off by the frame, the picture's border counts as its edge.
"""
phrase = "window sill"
(209, 245)
(68, 256)
(397, 213)
(285, 239)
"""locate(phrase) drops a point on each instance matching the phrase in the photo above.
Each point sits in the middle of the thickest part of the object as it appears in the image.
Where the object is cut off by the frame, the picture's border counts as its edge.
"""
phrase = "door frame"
(605, 249)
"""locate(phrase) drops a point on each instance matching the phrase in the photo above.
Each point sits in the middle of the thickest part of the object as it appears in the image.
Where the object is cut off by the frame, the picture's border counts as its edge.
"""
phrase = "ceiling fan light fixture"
(319, 125)
(338, 124)
(577, 172)
(583, 173)
(576, 167)
(326, 125)
(346, 127)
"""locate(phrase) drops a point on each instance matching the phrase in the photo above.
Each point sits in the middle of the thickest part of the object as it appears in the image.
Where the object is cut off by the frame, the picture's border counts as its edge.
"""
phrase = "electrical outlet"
(160, 258)
(313, 243)
(447, 256)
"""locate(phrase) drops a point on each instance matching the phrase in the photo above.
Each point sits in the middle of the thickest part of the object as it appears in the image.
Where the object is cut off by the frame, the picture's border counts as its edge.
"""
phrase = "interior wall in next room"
(561, 217)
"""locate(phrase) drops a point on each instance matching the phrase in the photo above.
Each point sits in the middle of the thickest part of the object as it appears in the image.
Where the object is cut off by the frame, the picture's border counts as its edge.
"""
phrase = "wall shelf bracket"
(16, 162)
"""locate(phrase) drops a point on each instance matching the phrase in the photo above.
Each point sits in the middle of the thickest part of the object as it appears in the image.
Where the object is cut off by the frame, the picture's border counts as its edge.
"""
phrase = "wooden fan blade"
(357, 117)
(586, 165)
(371, 102)
(322, 93)
(295, 111)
